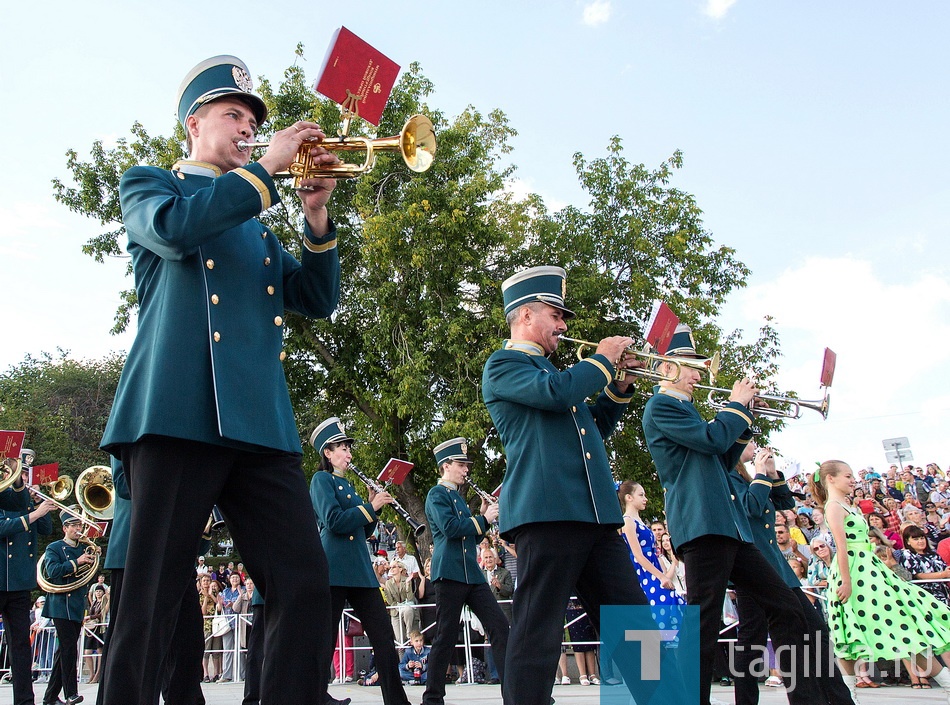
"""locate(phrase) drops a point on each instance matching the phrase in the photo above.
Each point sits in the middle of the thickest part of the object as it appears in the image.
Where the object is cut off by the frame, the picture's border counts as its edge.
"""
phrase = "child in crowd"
(412, 668)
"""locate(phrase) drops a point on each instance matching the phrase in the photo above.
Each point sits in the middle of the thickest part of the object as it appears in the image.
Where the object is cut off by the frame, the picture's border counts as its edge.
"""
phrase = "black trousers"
(554, 560)
(751, 644)
(266, 504)
(367, 604)
(711, 562)
(450, 597)
(255, 657)
(62, 677)
(181, 679)
(15, 609)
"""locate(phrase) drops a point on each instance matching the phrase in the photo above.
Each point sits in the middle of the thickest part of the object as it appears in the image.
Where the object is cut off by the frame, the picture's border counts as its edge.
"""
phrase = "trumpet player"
(456, 576)
(345, 521)
(63, 560)
(708, 527)
(20, 524)
(202, 415)
(558, 502)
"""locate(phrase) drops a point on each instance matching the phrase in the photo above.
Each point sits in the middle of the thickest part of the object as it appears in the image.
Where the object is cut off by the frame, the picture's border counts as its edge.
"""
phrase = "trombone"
(416, 144)
(788, 407)
(710, 365)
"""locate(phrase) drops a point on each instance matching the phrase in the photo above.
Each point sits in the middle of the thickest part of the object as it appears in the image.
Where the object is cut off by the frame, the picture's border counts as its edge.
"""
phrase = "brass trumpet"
(710, 365)
(416, 143)
(790, 407)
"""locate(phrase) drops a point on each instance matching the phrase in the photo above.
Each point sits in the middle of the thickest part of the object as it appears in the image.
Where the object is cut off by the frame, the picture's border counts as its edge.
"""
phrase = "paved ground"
(231, 694)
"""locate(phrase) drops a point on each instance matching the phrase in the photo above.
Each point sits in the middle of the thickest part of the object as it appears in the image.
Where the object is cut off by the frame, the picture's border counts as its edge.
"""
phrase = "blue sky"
(814, 137)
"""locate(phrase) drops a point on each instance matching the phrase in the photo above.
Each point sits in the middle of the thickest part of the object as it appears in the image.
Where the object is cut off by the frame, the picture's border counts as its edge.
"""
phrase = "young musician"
(62, 560)
(345, 522)
(457, 578)
(202, 415)
(20, 527)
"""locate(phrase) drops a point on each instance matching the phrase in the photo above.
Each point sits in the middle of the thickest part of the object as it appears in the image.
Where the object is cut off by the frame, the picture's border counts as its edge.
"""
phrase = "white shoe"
(348, 679)
(716, 701)
(774, 682)
(566, 680)
(336, 681)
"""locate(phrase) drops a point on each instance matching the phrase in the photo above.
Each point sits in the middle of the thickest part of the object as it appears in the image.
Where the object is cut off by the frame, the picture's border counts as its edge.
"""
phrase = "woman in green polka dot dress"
(873, 614)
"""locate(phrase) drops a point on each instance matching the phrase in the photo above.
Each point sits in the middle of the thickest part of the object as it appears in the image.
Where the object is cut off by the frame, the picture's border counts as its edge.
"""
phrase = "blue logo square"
(650, 654)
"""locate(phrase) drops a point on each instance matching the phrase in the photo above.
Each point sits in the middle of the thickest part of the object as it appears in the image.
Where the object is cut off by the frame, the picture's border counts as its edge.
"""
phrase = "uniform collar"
(197, 168)
(450, 485)
(675, 393)
(339, 473)
(70, 542)
(525, 346)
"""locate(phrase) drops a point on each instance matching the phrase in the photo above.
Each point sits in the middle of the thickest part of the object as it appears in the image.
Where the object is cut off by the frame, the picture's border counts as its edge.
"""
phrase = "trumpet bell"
(95, 492)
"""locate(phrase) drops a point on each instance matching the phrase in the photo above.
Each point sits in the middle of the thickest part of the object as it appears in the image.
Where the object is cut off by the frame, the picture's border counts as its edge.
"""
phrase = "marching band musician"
(558, 502)
(456, 576)
(345, 522)
(19, 527)
(202, 415)
(709, 528)
(62, 560)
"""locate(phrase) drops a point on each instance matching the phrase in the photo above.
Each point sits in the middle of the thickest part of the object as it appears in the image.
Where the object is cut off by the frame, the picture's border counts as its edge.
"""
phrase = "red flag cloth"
(357, 76)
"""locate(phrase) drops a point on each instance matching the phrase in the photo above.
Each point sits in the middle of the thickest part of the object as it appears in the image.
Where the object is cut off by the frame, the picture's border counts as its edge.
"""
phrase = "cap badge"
(464, 447)
(242, 79)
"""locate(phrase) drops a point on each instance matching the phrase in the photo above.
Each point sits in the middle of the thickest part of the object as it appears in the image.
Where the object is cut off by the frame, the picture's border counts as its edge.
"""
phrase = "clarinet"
(417, 528)
(490, 498)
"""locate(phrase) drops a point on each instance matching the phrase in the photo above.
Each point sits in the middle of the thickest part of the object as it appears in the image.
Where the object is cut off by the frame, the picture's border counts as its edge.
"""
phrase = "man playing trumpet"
(709, 529)
(558, 502)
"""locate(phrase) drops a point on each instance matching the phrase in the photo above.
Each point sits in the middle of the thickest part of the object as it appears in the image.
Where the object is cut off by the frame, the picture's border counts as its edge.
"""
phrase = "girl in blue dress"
(657, 585)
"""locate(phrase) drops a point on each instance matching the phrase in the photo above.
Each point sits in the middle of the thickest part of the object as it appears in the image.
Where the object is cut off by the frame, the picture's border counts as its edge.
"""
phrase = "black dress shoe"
(333, 701)
(74, 700)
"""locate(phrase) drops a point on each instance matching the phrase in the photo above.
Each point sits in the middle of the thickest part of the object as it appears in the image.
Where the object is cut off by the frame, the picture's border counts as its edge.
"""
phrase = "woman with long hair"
(923, 563)
(873, 614)
(345, 521)
(671, 565)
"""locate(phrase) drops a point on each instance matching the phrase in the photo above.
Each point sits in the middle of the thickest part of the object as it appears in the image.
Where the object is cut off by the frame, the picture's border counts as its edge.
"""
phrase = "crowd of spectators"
(907, 509)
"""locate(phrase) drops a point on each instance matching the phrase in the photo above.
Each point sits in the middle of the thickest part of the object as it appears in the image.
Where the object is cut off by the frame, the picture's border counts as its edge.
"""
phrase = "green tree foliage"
(422, 261)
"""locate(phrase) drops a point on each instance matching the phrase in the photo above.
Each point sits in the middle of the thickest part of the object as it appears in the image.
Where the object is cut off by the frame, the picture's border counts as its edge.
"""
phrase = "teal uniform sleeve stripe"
(608, 374)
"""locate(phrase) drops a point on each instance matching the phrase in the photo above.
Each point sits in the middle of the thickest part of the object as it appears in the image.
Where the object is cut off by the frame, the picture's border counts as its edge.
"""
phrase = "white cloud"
(597, 12)
(717, 9)
(892, 340)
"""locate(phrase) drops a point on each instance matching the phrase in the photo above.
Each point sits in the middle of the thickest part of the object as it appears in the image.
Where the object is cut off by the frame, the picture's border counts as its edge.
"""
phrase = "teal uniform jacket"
(60, 566)
(345, 522)
(759, 499)
(213, 284)
(455, 536)
(15, 499)
(692, 458)
(19, 542)
(557, 467)
(121, 518)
